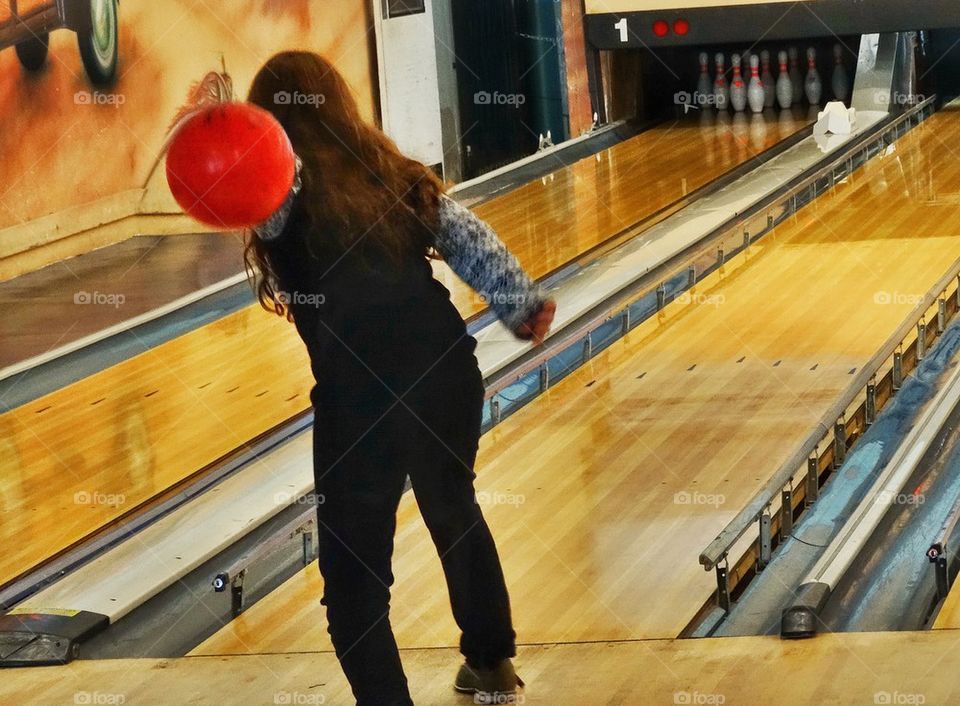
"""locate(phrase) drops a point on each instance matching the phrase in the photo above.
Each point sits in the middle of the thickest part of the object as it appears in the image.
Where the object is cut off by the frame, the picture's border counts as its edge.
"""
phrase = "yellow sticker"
(25, 610)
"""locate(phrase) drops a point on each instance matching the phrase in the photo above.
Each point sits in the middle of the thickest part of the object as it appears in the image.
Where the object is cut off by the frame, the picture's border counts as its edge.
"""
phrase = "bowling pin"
(738, 89)
(796, 79)
(721, 94)
(784, 85)
(812, 85)
(745, 65)
(704, 88)
(840, 82)
(769, 91)
(756, 93)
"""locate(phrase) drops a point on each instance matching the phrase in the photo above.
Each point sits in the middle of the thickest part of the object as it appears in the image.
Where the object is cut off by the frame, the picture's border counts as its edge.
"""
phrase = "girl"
(398, 392)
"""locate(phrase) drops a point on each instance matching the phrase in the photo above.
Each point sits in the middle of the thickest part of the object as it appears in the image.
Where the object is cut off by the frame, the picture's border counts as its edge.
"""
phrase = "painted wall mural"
(88, 88)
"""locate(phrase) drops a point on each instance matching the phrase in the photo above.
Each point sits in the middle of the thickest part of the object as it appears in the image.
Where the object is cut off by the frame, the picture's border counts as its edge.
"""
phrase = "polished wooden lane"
(852, 668)
(552, 221)
(84, 455)
(602, 493)
(87, 454)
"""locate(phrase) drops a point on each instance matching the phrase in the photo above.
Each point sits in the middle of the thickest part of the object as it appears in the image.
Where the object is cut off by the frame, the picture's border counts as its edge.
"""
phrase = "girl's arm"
(271, 228)
(479, 257)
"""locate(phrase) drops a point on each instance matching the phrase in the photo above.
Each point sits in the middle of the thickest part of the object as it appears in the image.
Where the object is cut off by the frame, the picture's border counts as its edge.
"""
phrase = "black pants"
(366, 444)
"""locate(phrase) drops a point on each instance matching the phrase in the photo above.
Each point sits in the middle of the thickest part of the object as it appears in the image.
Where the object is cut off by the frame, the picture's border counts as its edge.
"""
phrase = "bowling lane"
(84, 456)
(551, 221)
(602, 492)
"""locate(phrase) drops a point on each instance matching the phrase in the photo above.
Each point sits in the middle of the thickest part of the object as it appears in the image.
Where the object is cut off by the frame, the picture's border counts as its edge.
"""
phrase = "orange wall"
(575, 59)
(57, 152)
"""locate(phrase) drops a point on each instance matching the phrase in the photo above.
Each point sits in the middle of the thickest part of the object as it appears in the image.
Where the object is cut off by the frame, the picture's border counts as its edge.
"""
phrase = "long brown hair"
(357, 186)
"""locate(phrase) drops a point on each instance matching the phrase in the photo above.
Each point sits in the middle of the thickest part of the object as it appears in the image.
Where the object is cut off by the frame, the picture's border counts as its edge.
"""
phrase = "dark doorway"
(508, 80)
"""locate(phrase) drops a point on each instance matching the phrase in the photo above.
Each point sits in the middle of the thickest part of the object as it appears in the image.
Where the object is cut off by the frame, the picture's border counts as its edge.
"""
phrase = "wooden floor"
(602, 493)
(838, 669)
(87, 454)
(82, 456)
(949, 615)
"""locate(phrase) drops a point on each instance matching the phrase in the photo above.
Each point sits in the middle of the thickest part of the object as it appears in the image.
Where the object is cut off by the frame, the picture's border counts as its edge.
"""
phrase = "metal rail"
(802, 617)
(304, 525)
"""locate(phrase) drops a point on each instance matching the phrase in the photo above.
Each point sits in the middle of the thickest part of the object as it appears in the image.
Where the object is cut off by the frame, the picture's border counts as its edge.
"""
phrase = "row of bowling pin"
(761, 90)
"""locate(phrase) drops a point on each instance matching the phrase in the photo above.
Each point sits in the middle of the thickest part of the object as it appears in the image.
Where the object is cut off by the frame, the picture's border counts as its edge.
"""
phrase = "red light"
(661, 28)
(681, 27)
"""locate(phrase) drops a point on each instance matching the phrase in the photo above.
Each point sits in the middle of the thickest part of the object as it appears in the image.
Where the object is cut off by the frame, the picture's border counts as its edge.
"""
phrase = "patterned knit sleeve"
(472, 249)
(271, 228)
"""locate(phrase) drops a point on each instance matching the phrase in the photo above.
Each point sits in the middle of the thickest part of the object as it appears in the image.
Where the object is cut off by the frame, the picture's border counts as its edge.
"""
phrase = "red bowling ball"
(230, 165)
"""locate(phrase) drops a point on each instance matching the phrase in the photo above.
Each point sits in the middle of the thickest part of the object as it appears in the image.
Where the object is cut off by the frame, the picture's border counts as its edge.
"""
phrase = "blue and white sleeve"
(271, 228)
(472, 249)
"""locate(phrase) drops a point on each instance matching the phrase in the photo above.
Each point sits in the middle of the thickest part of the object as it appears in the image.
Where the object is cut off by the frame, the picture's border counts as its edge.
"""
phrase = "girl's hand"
(536, 327)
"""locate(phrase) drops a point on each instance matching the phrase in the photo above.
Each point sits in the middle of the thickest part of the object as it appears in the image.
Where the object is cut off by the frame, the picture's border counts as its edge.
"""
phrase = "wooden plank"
(632, 464)
(85, 455)
(854, 668)
(949, 615)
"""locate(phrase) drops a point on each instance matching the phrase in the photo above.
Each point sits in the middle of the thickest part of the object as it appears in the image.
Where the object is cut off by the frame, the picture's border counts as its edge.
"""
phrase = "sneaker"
(489, 685)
